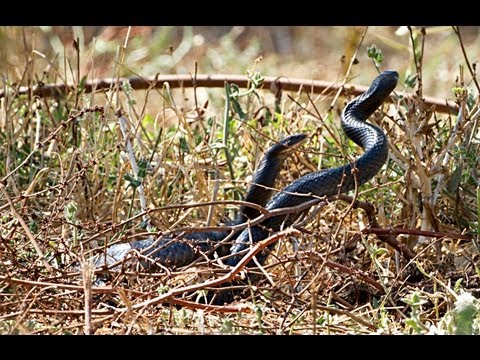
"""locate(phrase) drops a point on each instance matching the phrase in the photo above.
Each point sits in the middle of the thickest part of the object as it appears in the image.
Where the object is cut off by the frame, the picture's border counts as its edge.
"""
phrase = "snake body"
(316, 184)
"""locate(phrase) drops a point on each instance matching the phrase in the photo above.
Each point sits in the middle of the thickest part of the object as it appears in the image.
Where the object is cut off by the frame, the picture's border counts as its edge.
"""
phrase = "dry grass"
(65, 191)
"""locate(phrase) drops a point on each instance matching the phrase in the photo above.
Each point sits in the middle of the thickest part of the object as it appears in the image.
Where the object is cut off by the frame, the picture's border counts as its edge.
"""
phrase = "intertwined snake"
(182, 251)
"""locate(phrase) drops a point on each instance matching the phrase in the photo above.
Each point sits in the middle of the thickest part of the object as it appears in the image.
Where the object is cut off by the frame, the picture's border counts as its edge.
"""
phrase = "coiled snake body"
(325, 182)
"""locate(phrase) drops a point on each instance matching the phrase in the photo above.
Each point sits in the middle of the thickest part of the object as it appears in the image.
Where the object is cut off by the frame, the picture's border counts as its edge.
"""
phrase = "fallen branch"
(99, 312)
(102, 290)
(57, 312)
(217, 81)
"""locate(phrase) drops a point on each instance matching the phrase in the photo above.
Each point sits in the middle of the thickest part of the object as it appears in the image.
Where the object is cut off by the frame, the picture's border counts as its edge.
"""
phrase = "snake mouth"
(292, 142)
(286, 146)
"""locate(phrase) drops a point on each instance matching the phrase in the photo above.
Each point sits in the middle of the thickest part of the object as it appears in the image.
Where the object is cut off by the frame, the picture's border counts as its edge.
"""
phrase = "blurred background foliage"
(311, 52)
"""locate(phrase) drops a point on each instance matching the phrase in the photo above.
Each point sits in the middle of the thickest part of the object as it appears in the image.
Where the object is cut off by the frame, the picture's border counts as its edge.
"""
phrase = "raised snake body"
(336, 180)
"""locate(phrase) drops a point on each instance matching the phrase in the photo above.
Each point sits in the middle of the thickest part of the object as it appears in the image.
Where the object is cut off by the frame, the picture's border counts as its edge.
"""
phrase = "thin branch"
(244, 308)
(357, 273)
(87, 288)
(94, 289)
(435, 234)
(25, 227)
(181, 302)
(456, 29)
(387, 238)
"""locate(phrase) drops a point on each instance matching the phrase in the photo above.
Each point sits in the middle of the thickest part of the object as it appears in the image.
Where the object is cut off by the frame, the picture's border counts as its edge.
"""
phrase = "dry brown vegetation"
(68, 189)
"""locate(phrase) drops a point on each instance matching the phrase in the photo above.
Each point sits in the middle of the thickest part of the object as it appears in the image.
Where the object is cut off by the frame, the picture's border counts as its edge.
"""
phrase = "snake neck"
(259, 192)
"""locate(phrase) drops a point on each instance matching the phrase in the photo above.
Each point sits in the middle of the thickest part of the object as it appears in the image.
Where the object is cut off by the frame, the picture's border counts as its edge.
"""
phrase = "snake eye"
(294, 140)
(391, 73)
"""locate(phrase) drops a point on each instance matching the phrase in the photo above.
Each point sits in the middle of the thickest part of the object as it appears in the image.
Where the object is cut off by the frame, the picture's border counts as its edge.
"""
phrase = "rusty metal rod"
(218, 81)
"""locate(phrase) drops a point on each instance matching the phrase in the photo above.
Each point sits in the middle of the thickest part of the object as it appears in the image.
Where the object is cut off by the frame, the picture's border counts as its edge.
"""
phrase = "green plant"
(414, 323)
(463, 319)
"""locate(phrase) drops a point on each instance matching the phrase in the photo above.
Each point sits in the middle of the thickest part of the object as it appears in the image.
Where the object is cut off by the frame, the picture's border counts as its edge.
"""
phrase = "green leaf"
(148, 120)
(127, 88)
(163, 290)
(70, 211)
(413, 323)
(375, 54)
(227, 327)
(33, 227)
(470, 100)
(411, 80)
(321, 320)
(464, 314)
(238, 109)
(256, 79)
(268, 116)
(454, 181)
(233, 91)
(184, 145)
(258, 312)
(142, 168)
(458, 285)
(81, 85)
(380, 251)
(414, 301)
(458, 91)
(132, 181)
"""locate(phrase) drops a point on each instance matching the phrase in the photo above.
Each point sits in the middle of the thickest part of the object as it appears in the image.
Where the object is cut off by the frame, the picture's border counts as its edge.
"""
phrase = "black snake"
(316, 184)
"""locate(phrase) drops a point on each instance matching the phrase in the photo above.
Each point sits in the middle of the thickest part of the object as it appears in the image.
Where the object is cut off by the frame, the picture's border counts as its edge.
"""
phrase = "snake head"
(287, 145)
(365, 105)
(388, 80)
(381, 87)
